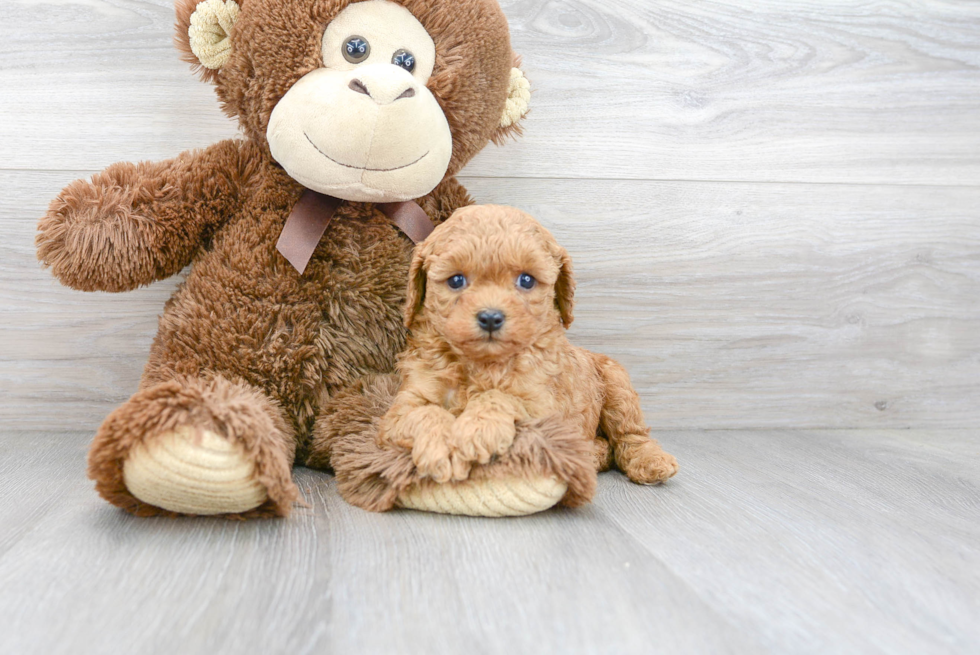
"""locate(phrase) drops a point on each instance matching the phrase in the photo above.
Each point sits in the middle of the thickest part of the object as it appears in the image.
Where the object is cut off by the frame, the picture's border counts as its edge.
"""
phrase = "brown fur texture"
(465, 388)
(371, 477)
(245, 334)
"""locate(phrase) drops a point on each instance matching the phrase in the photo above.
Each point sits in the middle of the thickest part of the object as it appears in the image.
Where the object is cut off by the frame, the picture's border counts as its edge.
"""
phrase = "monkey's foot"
(196, 446)
(190, 473)
(488, 497)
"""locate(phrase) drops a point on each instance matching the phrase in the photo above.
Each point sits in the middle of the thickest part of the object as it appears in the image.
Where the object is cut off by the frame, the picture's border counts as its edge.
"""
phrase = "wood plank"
(850, 91)
(332, 578)
(823, 539)
(732, 305)
(787, 541)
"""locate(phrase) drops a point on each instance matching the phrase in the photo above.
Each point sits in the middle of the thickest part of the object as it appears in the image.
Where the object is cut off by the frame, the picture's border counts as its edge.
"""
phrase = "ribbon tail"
(410, 219)
(304, 227)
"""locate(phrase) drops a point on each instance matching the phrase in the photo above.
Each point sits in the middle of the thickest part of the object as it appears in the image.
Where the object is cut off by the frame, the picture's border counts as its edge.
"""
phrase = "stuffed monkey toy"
(356, 116)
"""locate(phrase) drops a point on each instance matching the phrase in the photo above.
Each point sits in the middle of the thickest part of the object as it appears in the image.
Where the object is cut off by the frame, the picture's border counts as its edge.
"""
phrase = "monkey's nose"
(382, 93)
(490, 320)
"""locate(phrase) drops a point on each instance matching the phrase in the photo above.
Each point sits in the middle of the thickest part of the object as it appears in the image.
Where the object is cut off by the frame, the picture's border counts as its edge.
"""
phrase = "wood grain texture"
(844, 91)
(767, 542)
(732, 305)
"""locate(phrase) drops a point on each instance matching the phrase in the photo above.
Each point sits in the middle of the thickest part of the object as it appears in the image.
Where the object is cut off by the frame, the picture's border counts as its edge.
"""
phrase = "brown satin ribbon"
(304, 227)
(312, 214)
(410, 219)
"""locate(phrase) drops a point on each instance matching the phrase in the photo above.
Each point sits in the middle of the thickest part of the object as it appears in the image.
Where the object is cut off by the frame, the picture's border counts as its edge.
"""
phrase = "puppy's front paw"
(461, 466)
(386, 435)
(432, 457)
(647, 463)
(474, 438)
(401, 427)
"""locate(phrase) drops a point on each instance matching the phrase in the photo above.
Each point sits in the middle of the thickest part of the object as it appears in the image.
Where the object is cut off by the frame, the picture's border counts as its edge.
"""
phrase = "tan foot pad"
(205, 475)
(491, 497)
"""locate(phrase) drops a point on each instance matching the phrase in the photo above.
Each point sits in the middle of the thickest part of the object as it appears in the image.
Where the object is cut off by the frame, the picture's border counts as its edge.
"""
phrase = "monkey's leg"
(199, 445)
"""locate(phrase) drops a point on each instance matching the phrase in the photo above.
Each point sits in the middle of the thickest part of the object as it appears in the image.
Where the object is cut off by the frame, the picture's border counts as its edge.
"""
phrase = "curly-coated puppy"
(489, 298)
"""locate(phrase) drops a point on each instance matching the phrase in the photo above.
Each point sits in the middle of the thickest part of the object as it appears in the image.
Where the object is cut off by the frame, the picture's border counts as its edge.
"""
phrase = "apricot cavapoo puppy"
(490, 295)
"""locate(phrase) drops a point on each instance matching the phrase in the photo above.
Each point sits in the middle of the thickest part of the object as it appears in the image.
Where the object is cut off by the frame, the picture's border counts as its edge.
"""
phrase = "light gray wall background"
(772, 206)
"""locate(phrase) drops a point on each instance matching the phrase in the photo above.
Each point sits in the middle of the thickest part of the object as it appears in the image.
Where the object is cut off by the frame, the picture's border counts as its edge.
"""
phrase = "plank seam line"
(86, 172)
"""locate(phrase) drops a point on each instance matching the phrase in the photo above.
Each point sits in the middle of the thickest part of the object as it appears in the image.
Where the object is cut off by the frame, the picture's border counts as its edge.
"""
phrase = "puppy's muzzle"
(490, 320)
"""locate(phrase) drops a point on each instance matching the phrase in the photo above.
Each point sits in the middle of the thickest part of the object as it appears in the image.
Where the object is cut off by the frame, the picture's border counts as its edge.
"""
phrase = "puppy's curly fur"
(465, 386)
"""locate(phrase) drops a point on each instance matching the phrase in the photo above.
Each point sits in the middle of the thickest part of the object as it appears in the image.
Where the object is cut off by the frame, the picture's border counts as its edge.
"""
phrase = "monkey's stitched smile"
(363, 168)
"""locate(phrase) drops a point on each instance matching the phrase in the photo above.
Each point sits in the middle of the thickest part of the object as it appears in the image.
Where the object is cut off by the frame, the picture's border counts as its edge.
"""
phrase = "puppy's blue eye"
(525, 281)
(457, 281)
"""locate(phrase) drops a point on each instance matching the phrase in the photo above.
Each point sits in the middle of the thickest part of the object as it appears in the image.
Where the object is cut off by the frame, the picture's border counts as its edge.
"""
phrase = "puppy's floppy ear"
(564, 287)
(415, 297)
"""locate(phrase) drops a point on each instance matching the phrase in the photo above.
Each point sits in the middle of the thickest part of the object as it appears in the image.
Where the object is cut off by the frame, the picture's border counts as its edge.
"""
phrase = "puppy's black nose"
(490, 320)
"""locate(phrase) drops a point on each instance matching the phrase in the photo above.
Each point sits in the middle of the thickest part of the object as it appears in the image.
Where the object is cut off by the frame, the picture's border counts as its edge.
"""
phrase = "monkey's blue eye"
(457, 281)
(356, 49)
(525, 281)
(405, 59)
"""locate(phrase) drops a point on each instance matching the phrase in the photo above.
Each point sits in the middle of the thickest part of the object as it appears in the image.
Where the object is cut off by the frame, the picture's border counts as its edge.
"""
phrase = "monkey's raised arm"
(133, 224)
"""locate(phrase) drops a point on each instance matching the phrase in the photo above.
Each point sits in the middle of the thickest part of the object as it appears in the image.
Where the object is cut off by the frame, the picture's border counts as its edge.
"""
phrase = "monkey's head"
(364, 100)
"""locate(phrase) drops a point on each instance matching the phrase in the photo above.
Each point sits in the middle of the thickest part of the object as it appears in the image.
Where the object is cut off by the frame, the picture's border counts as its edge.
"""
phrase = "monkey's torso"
(245, 313)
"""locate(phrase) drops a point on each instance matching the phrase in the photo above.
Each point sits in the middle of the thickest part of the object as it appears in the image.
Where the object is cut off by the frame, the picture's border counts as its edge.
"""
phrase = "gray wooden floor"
(831, 541)
(774, 211)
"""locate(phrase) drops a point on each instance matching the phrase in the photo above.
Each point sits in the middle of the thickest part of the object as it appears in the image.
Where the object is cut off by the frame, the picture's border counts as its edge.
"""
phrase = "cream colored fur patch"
(389, 141)
(518, 98)
(492, 497)
(210, 31)
(181, 473)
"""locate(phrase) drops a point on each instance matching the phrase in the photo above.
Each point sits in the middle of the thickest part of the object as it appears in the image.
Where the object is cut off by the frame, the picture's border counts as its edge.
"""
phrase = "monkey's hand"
(136, 223)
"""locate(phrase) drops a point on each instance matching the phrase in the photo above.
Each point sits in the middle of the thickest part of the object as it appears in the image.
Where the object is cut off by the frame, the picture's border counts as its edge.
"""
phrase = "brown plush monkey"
(371, 104)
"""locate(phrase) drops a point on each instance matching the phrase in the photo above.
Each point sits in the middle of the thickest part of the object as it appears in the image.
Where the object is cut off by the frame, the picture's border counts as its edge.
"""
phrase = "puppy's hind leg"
(602, 453)
(636, 454)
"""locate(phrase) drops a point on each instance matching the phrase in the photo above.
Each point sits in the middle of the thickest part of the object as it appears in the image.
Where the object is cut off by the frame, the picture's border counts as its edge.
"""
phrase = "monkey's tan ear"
(517, 105)
(204, 33)
(565, 288)
(518, 98)
(415, 297)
